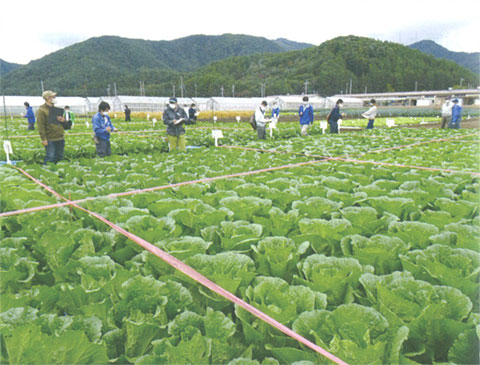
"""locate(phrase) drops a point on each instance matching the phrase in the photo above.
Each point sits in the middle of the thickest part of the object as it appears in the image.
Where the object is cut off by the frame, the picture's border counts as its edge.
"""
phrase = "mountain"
(467, 60)
(288, 45)
(371, 65)
(202, 65)
(6, 67)
(86, 68)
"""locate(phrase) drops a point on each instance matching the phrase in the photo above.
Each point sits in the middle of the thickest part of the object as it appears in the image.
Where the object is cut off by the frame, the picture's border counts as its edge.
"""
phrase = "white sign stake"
(238, 119)
(154, 121)
(7, 147)
(214, 119)
(86, 123)
(323, 126)
(217, 134)
(339, 124)
(390, 123)
(148, 116)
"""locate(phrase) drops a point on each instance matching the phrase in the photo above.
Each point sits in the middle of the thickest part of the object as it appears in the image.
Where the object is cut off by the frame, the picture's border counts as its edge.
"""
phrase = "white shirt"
(260, 117)
(447, 109)
(371, 113)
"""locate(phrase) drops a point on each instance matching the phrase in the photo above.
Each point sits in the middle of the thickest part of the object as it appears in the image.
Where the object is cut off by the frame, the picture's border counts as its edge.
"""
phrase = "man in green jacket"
(51, 132)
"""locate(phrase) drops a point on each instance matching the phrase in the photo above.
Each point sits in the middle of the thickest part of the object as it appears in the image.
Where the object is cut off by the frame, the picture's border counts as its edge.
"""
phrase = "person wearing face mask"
(261, 120)
(50, 129)
(306, 115)
(371, 113)
(174, 117)
(334, 116)
(30, 116)
(102, 127)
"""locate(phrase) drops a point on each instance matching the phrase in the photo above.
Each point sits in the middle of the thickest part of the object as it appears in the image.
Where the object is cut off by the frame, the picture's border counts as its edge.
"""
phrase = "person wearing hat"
(51, 132)
(174, 117)
(370, 114)
(456, 115)
(30, 116)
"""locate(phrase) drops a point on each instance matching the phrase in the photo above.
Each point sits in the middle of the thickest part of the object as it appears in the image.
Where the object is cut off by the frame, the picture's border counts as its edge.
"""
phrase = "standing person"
(446, 112)
(69, 117)
(456, 115)
(127, 114)
(371, 113)
(30, 116)
(193, 113)
(102, 126)
(50, 129)
(334, 116)
(275, 112)
(261, 120)
(174, 118)
(306, 115)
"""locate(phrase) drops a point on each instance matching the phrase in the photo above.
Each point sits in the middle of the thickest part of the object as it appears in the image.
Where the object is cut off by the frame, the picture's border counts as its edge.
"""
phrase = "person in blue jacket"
(275, 111)
(456, 115)
(102, 126)
(306, 115)
(30, 116)
(334, 116)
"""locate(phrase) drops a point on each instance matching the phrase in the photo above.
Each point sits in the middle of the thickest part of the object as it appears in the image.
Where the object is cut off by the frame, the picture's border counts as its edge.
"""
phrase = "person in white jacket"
(261, 120)
(371, 113)
(446, 112)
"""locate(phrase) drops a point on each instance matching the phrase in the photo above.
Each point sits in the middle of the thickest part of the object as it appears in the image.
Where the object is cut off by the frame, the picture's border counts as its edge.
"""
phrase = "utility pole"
(221, 91)
(115, 88)
(262, 88)
(195, 90)
(415, 86)
(233, 90)
(350, 86)
(306, 87)
(181, 86)
(365, 89)
(108, 90)
(173, 86)
(41, 83)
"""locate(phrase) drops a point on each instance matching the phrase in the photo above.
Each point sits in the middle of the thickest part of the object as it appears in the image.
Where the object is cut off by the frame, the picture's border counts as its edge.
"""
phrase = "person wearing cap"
(456, 115)
(51, 133)
(30, 116)
(371, 113)
(334, 116)
(174, 117)
(446, 112)
(306, 115)
(275, 111)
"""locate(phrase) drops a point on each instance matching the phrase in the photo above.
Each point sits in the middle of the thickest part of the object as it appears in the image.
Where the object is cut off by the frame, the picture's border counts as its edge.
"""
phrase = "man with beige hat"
(50, 128)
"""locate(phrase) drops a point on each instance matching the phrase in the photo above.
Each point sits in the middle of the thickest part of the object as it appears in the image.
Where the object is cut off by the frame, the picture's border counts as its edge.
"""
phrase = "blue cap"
(173, 99)
(455, 100)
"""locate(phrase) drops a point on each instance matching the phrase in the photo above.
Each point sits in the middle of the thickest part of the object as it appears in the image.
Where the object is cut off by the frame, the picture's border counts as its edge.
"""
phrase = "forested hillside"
(90, 67)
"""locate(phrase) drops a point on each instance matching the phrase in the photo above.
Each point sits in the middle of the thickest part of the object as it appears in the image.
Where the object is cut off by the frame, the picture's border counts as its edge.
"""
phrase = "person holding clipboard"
(174, 117)
(50, 127)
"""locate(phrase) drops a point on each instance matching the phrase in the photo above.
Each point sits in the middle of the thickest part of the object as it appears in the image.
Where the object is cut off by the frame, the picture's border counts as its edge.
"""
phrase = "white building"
(293, 102)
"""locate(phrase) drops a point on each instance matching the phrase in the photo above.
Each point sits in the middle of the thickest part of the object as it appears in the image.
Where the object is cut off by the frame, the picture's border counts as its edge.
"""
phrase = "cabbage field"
(365, 243)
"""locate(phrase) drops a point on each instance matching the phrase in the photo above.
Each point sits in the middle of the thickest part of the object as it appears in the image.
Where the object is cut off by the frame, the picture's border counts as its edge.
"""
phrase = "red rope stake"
(195, 275)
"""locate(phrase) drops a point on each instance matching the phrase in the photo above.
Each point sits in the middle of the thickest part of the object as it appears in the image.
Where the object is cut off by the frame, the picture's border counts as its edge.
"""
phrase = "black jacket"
(169, 115)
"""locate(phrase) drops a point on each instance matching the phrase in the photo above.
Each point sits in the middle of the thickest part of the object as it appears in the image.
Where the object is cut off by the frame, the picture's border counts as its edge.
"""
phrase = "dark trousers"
(103, 148)
(127, 118)
(31, 126)
(261, 132)
(54, 151)
(446, 120)
(333, 127)
(370, 123)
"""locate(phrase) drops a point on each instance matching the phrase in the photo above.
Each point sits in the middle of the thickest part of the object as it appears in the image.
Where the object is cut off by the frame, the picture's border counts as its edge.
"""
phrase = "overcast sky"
(31, 29)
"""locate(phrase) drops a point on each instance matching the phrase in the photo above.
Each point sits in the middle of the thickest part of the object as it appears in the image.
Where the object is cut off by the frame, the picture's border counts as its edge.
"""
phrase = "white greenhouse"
(223, 103)
(14, 105)
(293, 102)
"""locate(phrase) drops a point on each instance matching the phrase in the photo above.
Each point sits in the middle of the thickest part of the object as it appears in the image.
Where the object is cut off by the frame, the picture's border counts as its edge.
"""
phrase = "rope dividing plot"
(195, 275)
